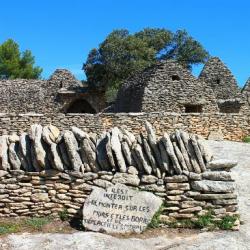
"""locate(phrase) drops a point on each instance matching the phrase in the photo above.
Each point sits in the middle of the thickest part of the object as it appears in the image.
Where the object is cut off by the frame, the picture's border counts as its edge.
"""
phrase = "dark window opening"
(229, 107)
(193, 108)
(61, 84)
(175, 78)
(218, 81)
(80, 106)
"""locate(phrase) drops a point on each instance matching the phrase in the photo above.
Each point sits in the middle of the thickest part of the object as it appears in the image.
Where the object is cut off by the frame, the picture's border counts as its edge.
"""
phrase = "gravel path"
(202, 241)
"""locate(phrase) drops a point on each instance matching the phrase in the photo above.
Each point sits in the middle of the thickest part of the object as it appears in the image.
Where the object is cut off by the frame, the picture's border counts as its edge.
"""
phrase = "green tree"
(16, 64)
(122, 54)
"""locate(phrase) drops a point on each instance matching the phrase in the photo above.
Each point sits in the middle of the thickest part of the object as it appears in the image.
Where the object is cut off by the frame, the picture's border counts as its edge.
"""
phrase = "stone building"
(167, 86)
(164, 87)
(246, 91)
(62, 93)
(217, 75)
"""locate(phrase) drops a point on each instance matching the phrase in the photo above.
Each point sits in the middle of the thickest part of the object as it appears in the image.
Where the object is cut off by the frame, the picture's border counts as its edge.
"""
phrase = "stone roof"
(220, 78)
(66, 79)
(166, 86)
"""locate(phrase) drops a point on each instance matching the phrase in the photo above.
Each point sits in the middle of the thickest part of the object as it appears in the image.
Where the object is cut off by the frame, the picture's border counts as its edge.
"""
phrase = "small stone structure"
(62, 93)
(46, 171)
(167, 86)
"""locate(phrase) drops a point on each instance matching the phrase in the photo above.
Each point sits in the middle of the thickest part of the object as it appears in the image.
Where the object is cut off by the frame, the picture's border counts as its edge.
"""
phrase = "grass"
(155, 222)
(37, 223)
(7, 228)
(206, 221)
(30, 224)
(246, 139)
(64, 215)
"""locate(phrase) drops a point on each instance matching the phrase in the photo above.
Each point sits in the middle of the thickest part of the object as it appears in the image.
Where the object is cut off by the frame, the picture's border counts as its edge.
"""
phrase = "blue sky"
(60, 33)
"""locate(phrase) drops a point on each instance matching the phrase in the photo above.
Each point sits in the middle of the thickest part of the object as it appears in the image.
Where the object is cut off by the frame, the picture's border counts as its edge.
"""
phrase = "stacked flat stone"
(116, 150)
(46, 171)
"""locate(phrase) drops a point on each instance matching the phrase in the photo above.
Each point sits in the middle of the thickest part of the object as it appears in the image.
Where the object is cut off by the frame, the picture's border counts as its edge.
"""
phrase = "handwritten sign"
(119, 209)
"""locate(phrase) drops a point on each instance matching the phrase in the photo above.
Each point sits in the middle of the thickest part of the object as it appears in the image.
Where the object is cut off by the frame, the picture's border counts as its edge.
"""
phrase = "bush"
(246, 139)
(64, 215)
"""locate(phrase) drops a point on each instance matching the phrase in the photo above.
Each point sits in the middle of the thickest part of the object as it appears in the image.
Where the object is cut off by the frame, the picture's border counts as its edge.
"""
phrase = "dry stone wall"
(47, 171)
(232, 126)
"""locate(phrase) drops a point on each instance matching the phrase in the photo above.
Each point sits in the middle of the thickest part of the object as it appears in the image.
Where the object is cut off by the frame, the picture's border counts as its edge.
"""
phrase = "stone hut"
(246, 91)
(62, 93)
(218, 76)
(166, 86)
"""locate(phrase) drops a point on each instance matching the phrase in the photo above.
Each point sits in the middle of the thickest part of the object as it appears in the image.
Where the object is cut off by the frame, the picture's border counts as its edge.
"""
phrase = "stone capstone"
(213, 186)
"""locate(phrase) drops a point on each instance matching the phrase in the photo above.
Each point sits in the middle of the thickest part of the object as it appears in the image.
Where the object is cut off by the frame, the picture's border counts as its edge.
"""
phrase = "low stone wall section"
(232, 126)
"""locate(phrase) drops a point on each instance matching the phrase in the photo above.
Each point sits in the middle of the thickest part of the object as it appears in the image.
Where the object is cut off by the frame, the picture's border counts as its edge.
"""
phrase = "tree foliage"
(15, 64)
(123, 54)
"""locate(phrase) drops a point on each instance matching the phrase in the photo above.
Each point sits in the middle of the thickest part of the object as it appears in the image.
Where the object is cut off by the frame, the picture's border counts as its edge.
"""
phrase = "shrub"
(64, 215)
(246, 139)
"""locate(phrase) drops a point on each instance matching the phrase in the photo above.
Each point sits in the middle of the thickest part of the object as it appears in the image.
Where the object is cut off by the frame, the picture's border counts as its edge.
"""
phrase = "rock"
(89, 176)
(205, 151)
(101, 152)
(127, 153)
(4, 153)
(179, 156)
(141, 158)
(72, 149)
(164, 157)
(217, 176)
(219, 211)
(84, 158)
(79, 134)
(64, 154)
(132, 170)
(117, 149)
(176, 178)
(90, 154)
(181, 216)
(225, 202)
(213, 186)
(109, 153)
(170, 150)
(179, 186)
(3, 173)
(221, 164)
(175, 192)
(194, 176)
(124, 178)
(190, 204)
(149, 179)
(188, 145)
(150, 155)
(25, 152)
(183, 151)
(102, 183)
(119, 209)
(13, 138)
(153, 188)
(13, 157)
(55, 157)
(198, 153)
(153, 143)
(35, 135)
(215, 196)
(39, 197)
(190, 210)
